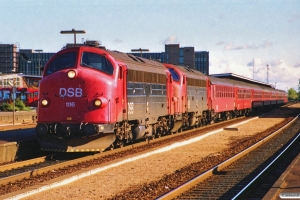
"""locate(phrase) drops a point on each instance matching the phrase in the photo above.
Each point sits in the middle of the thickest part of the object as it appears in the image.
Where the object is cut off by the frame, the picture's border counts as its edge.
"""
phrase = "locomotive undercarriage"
(127, 132)
(75, 137)
(97, 137)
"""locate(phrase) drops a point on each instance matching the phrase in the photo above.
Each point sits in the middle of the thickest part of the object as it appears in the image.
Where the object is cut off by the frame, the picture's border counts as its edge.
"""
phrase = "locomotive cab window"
(96, 61)
(61, 62)
(174, 74)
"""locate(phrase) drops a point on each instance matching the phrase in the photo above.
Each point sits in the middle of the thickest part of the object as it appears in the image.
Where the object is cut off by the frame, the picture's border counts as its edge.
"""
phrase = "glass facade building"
(185, 56)
(30, 62)
(202, 61)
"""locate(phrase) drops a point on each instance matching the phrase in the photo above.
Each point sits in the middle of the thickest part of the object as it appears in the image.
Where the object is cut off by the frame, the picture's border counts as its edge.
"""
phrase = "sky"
(257, 39)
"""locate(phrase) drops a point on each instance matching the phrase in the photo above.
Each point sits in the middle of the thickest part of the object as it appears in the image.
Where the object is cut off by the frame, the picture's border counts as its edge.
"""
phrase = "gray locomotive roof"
(191, 73)
(135, 62)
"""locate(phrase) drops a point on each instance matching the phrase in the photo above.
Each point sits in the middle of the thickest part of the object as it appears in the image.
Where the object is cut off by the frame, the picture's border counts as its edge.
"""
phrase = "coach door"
(121, 103)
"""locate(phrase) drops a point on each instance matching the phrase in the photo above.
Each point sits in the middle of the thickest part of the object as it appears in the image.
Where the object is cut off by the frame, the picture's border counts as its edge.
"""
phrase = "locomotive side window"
(61, 62)
(174, 74)
(96, 61)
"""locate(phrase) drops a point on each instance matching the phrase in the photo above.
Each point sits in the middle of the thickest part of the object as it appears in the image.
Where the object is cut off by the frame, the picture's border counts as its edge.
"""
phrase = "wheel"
(111, 147)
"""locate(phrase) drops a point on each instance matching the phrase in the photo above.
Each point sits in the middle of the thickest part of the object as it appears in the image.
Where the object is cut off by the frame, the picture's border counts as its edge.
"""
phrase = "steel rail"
(188, 185)
(17, 165)
(265, 169)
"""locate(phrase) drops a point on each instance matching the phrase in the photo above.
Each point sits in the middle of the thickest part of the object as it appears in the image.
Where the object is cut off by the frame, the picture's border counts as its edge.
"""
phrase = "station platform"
(288, 184)
(20, 117)
(17, 138)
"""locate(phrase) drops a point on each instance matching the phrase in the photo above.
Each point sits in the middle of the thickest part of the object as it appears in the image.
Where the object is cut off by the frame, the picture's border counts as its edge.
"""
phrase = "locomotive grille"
(146, 77)
(196, 82)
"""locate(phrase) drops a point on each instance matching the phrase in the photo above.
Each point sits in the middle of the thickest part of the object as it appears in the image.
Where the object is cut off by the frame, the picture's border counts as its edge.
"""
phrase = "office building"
(8, 58)
(31, 61)
(185, 56)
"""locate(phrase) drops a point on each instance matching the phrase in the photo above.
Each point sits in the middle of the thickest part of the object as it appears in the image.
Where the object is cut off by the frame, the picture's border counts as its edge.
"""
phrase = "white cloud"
(279, 73)
(220, 43)
(232, 46)
(297, 64)
(118, 41)
(276, 62)
(170, 40)
(295, 18)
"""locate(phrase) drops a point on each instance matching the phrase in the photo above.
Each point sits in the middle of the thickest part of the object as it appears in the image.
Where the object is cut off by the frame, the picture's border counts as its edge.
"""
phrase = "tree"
(292, 94)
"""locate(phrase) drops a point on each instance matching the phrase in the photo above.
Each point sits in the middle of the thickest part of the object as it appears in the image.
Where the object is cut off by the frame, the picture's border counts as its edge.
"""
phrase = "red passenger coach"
(222, 98)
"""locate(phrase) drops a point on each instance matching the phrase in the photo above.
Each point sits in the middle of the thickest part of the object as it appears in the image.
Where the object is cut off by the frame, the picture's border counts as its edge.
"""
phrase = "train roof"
(190, 73)
(237, 77)
(135, 62)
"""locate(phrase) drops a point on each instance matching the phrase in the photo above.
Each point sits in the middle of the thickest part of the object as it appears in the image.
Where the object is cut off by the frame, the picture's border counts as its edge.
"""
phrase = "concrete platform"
(18, 145)
(18, 141)
(288, 184)
(20, 117)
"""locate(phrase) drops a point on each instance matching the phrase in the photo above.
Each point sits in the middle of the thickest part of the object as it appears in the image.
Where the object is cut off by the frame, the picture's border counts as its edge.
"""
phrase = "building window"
(181, 52)
(181, 60)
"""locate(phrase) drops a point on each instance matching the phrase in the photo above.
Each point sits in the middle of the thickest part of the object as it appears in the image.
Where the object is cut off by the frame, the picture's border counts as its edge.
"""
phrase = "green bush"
(6, 107)
(19, 106)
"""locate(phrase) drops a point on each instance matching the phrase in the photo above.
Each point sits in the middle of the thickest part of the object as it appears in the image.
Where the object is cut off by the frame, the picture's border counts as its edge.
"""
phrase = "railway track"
(65, 168)
(26, 169)
(28, 173)
(237, 177)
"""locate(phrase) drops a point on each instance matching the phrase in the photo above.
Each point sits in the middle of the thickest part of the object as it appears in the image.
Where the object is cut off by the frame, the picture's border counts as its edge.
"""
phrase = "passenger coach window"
(62, 61)
(174, 74)
(96, 61)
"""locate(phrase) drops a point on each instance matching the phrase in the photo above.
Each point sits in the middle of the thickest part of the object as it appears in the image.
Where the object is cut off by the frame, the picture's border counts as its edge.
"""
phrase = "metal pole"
(13, 96)
(140, 50)
(39, 73)
(267, 73)
(73, 31)
(39, 60)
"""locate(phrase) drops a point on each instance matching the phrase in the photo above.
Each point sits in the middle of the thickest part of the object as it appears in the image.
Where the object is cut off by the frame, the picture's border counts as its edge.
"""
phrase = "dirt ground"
(127, 173)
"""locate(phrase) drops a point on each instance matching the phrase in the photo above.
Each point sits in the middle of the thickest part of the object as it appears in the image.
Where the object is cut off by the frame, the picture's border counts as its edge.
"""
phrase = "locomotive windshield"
(174, 74)
(96, 61)
(62, 61)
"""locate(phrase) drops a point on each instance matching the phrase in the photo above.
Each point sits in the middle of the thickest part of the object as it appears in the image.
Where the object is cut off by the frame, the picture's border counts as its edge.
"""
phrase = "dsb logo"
(70, 92)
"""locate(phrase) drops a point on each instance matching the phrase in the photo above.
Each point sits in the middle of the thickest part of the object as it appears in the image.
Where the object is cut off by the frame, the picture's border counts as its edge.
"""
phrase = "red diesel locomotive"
(91, 99)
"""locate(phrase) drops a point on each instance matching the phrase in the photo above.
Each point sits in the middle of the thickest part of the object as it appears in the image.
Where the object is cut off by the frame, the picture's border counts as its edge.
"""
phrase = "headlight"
(100, 102)
(97, 102)
(45, 102)
(71, 74)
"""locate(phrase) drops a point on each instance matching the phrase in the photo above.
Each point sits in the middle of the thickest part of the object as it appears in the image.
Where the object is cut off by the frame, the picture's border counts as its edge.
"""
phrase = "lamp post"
(13, 85)
(140, 50)
(39, 66)
(267, 73)
(14, 99)
(73, 31)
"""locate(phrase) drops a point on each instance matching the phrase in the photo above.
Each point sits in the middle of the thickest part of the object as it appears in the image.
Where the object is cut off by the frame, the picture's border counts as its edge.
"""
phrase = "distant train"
(26, 88)
(91, 99)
